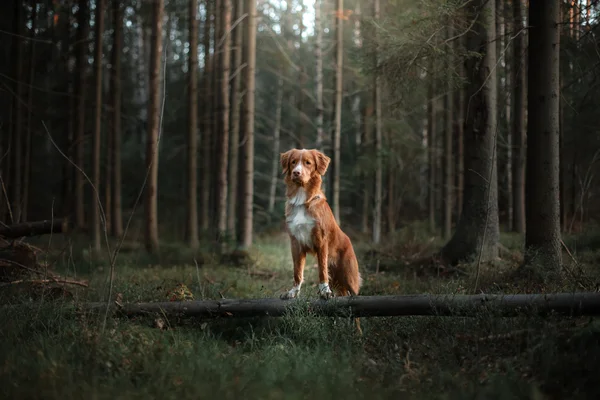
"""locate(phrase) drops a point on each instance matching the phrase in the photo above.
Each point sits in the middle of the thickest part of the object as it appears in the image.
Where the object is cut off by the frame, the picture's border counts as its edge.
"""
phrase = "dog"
(313, 229)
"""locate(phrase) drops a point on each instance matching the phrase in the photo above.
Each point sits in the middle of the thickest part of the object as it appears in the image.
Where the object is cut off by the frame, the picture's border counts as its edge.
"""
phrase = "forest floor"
(47, 352)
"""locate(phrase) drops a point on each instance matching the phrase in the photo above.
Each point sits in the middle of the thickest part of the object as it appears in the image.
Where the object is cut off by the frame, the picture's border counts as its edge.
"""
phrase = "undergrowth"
(48, 351)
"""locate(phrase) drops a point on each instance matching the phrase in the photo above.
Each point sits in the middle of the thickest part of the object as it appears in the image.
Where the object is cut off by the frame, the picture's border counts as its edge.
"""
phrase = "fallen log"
(570, 304)
(35, 228)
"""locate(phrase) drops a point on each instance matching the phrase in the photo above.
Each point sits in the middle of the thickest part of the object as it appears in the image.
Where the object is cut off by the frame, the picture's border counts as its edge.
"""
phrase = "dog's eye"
(307, 162)
(293, 162)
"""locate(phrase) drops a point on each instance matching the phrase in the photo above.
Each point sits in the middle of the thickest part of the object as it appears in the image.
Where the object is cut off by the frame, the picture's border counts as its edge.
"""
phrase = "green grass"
(48, 352)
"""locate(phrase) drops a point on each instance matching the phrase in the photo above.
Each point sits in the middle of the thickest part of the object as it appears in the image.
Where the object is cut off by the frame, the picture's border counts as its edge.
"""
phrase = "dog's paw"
(325, 292)
(290, 294)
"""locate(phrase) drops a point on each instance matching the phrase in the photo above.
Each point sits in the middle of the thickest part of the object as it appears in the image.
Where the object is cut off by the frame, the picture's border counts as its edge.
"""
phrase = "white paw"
(324, 291)
(291, 294)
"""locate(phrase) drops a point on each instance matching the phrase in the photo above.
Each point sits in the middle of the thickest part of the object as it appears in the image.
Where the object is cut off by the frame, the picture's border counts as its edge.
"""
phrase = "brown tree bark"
(207, 123)
(378, 195)
(115, 132)
(80, 92)
(27, 158)
(192, 138)
(519, 101)
(225, 50)
(16, 148)
(477, 232)
(96, 142)
(542, 238)
(235, 120)
(448, 133)
(431, 153)
(339, 59)
(460, 150)
(153, 130)
(248, 155)
(319, 75)
(367, 179)
(275, 167)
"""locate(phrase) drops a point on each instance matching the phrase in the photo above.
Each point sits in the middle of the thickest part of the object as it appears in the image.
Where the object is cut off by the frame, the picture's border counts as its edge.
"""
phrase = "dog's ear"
(284, 159)
(322, 161)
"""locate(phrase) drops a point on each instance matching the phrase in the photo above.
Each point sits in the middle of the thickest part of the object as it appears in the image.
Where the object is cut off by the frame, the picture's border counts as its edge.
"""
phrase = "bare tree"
(206, 122)
(319, 74)
(519, 97)
(275, 155)
(81, 68)
(153, 129)
(339, 70)
(448, 133)
(477, 231)
(17, 142)
(27, 159)
(378, 145)
(235, 120)
(248, 157)
(225, 50)
(116, 92)
(192, 155)
(431, 152)
(542, 212)
(96, 139)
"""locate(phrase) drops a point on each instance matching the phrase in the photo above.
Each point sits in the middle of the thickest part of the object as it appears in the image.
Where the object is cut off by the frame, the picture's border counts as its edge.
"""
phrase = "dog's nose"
(296, 173)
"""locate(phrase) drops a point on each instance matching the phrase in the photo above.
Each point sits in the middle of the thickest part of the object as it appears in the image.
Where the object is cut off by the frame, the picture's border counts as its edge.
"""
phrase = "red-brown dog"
(312, 227)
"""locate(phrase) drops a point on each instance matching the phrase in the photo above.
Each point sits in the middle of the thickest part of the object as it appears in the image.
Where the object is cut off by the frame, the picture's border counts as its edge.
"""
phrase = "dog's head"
(302, 165)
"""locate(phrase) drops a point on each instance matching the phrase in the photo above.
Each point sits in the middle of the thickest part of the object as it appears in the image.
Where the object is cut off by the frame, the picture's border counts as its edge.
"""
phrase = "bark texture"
(542, 238)
(519, 101)
(96, 139)
(248, 193)
(477, 232)
(224, 48)
(192, 150)
(339, 60)
(378, 146)
(234, 150)
(153, 129)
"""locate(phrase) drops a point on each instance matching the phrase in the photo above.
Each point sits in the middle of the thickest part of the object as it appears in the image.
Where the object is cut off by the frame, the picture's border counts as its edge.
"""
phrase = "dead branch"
(35, 228)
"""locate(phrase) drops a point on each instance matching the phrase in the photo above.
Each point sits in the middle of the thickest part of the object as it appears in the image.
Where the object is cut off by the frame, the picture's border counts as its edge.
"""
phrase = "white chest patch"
(299, 222)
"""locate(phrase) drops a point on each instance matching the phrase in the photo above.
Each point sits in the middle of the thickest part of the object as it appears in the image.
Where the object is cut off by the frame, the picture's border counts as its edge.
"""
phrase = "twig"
(40, 281)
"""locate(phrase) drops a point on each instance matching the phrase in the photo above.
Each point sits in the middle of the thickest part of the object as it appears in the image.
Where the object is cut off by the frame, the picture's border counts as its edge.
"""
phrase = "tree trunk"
(367, 178)
(17, 142)
(153, 129)
(207, 124)
(235, 121)
(378, 142)
(319, 75)
(339, 58)
(95, 203)
(275, 157)
(431, 152)
(477, 231)
(448, 132)
(27, 160)
(519, 72)
(225, 50)
(460, 150)
(434, 305)
(192, 139)
(248, 187)
(117, 217)
(542, 238)
(81, 69)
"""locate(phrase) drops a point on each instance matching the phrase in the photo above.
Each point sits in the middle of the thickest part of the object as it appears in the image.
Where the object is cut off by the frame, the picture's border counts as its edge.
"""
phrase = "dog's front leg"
(299, 258)
(322, 260)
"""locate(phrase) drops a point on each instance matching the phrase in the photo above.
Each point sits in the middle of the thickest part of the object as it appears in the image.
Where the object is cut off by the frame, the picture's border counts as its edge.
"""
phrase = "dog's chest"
(300, 223)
